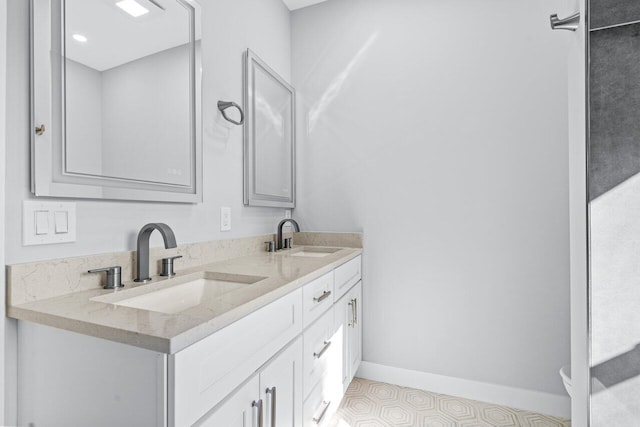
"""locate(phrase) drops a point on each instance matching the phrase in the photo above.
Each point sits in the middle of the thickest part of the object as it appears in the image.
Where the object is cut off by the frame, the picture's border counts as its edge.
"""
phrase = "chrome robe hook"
(570, 23)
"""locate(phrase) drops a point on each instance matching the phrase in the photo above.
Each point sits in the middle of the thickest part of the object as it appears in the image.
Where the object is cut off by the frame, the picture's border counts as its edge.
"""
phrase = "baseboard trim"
(536, 401)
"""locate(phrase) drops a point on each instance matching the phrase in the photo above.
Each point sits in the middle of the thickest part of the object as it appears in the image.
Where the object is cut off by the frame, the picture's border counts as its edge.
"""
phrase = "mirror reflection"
(273, 148)
(128, 103)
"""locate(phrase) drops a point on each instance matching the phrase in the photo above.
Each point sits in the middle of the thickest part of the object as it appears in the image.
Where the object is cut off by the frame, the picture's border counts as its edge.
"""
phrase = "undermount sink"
(178, 294)
(315, 252)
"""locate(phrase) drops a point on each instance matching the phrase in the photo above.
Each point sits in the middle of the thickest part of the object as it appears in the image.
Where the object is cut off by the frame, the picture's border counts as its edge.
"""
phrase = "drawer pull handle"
(322, 297)
(324, 411)
(257, 413)
(271, 393)
(318, 355)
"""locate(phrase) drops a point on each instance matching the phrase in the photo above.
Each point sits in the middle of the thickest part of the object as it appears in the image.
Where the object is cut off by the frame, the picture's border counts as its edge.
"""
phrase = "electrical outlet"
(225, 218)
(287, 227)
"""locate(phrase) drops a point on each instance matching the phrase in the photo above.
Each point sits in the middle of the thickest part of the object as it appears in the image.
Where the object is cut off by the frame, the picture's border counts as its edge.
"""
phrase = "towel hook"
(223, 105)
(570, 23)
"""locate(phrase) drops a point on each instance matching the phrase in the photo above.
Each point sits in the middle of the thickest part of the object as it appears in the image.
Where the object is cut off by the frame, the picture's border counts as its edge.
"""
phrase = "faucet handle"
(167, 265)
(270, 246)
(114, 276)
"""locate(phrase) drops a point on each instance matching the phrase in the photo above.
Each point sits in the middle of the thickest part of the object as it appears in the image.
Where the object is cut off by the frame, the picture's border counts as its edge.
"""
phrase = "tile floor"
(373, 404)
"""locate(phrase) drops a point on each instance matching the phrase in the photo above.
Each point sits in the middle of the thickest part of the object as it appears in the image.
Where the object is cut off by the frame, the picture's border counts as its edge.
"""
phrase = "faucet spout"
(279, 235)
(142, 256)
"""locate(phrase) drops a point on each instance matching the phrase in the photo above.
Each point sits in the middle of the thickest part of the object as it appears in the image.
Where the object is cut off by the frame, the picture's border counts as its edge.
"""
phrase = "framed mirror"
(116, 99)
(269, 137)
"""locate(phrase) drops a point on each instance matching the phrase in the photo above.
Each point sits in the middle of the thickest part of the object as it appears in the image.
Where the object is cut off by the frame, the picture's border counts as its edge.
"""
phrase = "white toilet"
(565, 373)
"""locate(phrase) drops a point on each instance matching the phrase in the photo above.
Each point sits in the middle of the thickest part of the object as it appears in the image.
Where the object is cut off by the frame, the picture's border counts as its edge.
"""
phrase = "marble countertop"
(170, 333)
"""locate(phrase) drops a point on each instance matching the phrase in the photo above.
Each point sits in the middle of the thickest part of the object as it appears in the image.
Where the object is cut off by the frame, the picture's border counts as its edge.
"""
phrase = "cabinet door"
(281, 388)
(341, 321)
(354, 330)
(241, 409)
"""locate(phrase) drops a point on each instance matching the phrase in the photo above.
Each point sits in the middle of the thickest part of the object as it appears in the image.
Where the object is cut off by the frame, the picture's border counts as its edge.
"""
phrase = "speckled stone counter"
(168, 333)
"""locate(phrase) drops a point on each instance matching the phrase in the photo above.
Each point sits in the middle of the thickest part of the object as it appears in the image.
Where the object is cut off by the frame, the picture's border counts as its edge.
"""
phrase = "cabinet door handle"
(354, 307)
(322, 413)
(318, 355)
(355, 311)
(257, 413)
(271, 394)
(322, 297)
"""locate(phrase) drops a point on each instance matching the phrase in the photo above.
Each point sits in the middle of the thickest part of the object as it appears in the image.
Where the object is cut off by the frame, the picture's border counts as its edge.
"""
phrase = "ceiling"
(297, 4)
(115, 38)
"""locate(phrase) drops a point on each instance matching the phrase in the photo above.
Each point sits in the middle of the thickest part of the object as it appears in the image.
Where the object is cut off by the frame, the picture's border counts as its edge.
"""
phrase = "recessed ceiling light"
(79, 38)
(132, 7)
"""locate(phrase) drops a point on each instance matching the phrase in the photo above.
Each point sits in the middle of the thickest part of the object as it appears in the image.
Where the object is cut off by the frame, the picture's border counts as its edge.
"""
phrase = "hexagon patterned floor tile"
(373, 404)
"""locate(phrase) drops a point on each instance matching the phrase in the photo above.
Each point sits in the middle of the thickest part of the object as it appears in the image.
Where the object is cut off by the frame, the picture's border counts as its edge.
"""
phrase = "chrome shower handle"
(570, 23)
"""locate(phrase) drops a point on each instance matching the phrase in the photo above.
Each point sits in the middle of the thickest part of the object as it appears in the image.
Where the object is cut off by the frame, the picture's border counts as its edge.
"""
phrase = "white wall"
(439, 129)
(229, 27)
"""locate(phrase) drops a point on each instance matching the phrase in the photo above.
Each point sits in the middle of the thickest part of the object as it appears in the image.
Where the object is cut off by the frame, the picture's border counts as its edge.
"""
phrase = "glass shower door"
(614, 212)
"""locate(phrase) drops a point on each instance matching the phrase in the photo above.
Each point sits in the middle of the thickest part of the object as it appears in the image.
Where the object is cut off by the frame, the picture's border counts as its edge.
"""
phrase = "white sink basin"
(181, 293)
(315, 252)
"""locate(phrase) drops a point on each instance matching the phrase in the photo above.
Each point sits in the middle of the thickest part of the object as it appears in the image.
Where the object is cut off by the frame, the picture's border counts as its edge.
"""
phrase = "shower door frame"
(578, 94)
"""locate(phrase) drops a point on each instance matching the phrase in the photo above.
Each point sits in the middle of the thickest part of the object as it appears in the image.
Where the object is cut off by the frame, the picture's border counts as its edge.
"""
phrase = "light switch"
(42, 222)
(45, 223)
(61, 219)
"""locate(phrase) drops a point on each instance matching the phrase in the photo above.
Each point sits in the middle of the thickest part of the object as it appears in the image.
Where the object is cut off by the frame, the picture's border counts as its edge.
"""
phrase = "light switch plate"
(225, 218)
(287, 227)
(45, 223)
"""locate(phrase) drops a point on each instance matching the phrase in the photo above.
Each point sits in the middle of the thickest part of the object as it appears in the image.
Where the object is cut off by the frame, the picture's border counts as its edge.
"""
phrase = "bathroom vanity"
(266, 339)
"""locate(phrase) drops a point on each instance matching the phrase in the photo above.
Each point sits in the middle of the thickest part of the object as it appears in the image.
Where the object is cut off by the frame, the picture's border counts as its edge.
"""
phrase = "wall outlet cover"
(225, 218)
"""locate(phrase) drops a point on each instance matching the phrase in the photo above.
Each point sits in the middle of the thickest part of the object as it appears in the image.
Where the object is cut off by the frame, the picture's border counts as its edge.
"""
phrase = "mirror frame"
(251, 197)
(48, 175)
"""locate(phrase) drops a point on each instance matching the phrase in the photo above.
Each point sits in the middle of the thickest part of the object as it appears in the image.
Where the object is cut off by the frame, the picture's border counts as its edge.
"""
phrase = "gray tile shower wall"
(614, 151)
(604, 13)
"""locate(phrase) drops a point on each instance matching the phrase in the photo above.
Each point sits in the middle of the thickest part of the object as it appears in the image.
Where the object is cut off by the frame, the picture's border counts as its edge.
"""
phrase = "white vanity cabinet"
(348, 318)
(270, 398)
(203, 374)
(348, 326)
(238, 410)
(285, 364)
(353, 349)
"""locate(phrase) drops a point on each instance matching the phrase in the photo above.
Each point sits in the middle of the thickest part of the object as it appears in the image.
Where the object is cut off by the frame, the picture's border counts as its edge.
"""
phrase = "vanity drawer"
(317, 297)
(347, 275)
(320, 349)
(319, 406)
(202, 375)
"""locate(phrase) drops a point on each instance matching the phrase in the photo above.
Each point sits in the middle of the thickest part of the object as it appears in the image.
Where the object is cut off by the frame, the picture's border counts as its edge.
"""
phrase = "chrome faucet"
(142, 257)
(279, 235)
